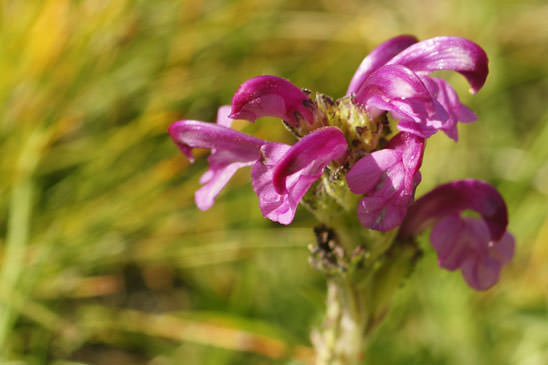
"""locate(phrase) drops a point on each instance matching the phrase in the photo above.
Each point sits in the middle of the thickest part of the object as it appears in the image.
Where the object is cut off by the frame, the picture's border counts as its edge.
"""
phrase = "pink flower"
(285, 173)
(479, 247)
(394, 78)
(388, 177)
(281, 174)
(230, 151)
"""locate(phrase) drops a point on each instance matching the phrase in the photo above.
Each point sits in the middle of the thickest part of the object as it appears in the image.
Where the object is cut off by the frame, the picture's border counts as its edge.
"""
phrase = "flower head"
(346, 149)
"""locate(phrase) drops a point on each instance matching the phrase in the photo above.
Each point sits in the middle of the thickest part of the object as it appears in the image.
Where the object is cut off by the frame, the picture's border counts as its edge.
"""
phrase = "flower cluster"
(348, 142)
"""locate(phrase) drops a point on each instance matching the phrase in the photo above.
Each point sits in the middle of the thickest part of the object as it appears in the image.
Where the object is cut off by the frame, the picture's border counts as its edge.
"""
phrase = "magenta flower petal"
(367, 172)
(503, 251)
(230, 150)
(276, 207)
(213, 182)
(482, 273)
(400, 91)
(285, 173)
(223, 116)
(448, 98)
(465, 243)
(383, 214)
(389, 178)
(310, 156)
(279, 208)
(447, 240)
(446, 53)
(377, 58)
(453, 198)
(272, 96)
(480, 247)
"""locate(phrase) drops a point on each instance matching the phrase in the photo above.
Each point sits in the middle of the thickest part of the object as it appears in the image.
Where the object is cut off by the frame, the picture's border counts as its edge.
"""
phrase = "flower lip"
(479, 247)
(388, 177)
(310, 155)
(272, 96)
(230, 150)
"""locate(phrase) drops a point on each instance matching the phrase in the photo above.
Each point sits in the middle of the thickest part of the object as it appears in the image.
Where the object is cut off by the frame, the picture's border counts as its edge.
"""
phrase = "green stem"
(14, 252)
(20, 210)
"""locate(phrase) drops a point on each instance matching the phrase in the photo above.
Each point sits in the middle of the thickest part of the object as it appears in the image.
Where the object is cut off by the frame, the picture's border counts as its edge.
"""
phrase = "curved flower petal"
(285, 173)
(446, 53)
(453, 198)
(377, 58)
(310, 156)
(272, 96)
(389, 178)
(279, 208)
(230, 150)
(480, 247)
(400, 91)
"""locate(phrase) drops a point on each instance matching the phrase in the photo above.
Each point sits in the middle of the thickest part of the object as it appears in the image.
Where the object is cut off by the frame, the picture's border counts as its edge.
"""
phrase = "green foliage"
(105, 258)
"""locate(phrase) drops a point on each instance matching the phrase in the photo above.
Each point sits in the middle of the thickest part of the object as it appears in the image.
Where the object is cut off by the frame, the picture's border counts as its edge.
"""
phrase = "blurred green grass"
(105, 258)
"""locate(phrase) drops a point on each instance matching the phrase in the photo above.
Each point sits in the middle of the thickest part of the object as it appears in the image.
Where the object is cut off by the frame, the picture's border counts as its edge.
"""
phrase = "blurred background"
(106, 259)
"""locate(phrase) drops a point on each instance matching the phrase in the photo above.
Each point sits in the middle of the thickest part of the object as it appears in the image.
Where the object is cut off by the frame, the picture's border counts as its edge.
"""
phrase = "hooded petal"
(272, 96)
(230, 150)
(389, 178)
(310, 156)
(377, 58)
(446, 53)
(453, 198)
(480, 247)
(400, 91)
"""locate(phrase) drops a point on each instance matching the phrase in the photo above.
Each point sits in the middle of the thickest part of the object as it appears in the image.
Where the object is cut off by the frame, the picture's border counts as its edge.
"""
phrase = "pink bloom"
(281, 174)
(230, 150)
(285, 173)
(393, 78)
(388, 178)
(403, 95)
(479, 247)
